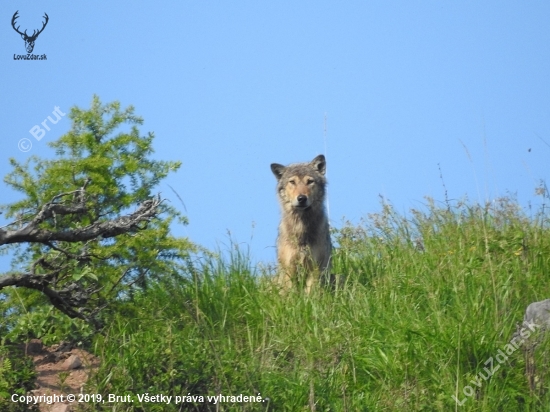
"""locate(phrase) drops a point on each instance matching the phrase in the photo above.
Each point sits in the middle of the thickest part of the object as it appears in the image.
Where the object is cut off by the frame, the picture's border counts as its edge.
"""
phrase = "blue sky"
(407, 87)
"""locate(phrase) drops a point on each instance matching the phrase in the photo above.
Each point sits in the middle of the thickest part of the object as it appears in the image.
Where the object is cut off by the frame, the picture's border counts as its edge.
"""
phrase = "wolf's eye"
(310, 181)
(292, 182)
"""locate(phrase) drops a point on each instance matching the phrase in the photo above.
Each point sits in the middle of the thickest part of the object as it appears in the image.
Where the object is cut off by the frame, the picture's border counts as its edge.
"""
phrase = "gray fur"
(303, 244)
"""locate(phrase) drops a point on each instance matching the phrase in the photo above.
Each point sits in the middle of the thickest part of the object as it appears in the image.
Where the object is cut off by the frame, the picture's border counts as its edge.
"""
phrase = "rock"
(34, 347)
(538, 313)
(72, 362)
(537, 320)
(49, 358)
(60, 407)
(63, 347)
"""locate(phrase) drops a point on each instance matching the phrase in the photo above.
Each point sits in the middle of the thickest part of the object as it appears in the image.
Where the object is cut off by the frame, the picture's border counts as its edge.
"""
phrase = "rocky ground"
(61, 369)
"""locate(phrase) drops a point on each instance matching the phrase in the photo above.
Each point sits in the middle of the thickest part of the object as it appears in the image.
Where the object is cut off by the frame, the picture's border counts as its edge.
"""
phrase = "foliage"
(428, 299)
(16, 377)
(50, 325)
(86, 197)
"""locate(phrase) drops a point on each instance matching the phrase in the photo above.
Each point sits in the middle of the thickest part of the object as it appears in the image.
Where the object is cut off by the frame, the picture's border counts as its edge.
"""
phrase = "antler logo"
(29, 40)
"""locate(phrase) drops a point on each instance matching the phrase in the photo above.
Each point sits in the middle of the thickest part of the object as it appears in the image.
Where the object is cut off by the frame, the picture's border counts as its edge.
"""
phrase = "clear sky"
(406, 87)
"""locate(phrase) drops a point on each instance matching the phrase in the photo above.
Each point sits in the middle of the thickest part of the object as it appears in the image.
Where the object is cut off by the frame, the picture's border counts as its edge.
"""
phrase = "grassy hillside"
(429, 303)
(428, 300)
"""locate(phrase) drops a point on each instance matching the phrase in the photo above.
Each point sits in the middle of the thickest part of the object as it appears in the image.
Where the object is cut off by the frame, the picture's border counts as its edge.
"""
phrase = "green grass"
(16, 376)
(428, 300)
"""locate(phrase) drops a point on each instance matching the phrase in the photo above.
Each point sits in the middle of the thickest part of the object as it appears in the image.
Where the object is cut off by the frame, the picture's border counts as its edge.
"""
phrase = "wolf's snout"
(302, 200)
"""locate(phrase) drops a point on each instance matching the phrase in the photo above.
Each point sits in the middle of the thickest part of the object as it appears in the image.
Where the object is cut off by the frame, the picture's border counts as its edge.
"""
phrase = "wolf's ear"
(277, 170)
(320, 164)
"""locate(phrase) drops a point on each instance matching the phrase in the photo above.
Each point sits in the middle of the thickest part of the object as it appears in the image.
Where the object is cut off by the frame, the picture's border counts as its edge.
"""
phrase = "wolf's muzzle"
(302, 201)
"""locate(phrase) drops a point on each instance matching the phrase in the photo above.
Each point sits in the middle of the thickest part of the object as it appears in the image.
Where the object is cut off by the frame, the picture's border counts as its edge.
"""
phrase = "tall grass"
(428, 299)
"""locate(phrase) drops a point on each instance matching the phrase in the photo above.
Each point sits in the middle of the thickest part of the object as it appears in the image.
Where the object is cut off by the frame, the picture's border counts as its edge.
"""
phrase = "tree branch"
(32, 233)
(71, 299)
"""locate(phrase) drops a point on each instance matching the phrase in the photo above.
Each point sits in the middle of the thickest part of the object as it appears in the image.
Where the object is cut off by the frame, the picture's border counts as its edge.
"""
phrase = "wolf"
(303, 245)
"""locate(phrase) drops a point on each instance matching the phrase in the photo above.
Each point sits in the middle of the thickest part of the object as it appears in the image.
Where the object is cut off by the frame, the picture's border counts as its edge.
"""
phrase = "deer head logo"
(29, 40)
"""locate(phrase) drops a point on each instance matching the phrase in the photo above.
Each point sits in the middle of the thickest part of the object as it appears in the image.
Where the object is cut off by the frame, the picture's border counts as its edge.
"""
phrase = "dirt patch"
(61, 369)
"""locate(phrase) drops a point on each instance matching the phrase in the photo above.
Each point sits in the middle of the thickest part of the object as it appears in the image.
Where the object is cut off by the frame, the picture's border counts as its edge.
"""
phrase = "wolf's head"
(301, 185)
